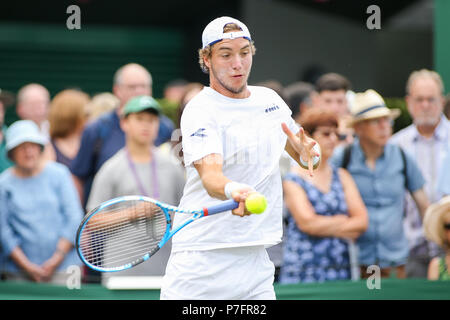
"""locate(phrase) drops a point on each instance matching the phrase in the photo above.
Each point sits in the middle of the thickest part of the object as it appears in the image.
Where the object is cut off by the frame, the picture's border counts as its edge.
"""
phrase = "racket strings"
(122, 233)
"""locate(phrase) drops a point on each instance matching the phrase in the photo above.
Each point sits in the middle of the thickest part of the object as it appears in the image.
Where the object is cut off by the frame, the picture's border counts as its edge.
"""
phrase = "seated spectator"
(67, 119)
(326, 210)
(6, 100)
(40, 210)
(437, 229)
(140, 169)
(382, 172)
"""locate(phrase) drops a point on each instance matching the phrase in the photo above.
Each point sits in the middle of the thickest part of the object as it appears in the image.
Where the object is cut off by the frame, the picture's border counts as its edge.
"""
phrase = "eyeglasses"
(447, 226)
(429, 100)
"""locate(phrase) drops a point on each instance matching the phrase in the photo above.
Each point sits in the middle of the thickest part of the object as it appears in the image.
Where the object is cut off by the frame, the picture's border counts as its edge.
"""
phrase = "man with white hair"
(33, 101)
(427, 140)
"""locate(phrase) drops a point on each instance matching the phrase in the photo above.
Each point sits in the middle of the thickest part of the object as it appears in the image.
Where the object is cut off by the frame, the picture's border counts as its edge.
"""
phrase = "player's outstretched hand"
(305, 147)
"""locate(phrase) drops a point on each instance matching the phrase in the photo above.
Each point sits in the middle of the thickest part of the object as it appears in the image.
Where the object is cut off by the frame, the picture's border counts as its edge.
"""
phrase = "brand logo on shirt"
(272, 108)
(199, 133)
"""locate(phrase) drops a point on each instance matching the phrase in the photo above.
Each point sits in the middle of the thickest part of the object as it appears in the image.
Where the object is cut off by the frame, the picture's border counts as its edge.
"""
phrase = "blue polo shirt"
(100, 140)
(382, 190)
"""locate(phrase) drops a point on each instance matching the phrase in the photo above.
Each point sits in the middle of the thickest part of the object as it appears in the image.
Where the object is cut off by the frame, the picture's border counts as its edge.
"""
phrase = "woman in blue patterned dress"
(326, 211)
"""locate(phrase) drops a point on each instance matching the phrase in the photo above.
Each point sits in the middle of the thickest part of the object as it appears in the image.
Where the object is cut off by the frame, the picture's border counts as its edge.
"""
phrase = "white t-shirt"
(248, 134)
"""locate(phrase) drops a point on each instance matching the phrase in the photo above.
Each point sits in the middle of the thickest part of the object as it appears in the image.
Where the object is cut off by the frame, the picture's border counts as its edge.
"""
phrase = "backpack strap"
(347, 155)
(405, 167)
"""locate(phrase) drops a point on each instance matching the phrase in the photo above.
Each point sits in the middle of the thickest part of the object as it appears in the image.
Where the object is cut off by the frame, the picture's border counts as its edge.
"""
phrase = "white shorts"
(241, 273)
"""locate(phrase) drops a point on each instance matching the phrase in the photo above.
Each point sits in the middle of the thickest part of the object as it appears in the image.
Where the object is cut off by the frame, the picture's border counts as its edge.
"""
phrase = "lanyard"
(153, 176)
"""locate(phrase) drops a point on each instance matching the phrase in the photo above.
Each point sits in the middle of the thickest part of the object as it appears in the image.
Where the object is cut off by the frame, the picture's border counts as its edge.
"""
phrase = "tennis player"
(233, 138)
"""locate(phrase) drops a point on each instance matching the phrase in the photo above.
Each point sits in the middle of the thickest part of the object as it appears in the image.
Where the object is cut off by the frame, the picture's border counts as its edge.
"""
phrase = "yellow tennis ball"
(256, 203)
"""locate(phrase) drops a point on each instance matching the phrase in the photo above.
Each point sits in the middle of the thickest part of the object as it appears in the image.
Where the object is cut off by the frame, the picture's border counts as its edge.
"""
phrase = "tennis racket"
(126, 231)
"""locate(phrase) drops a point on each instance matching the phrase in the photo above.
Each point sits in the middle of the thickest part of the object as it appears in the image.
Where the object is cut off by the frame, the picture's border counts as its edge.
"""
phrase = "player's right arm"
(214, 181)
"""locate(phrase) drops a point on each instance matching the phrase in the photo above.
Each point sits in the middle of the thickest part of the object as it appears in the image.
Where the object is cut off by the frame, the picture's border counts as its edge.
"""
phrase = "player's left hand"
(304, 146)
(240, 195)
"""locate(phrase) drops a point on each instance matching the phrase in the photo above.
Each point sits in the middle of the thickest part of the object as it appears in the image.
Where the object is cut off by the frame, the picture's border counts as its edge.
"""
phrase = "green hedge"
(404, 119)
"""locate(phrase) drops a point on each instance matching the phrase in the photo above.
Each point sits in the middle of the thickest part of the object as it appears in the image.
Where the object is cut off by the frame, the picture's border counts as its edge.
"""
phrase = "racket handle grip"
(224, 206)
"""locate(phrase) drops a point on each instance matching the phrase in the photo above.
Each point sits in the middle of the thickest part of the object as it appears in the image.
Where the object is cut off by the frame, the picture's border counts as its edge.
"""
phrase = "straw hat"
(433, 222)
(370, 105)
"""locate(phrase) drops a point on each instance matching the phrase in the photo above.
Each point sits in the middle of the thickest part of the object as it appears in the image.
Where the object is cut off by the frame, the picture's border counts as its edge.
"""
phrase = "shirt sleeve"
(290, 122)
(82, 165)
(102, 187)
(201, 136)
(414, 175)
(7, 237)
(70, 206)
(337, 157)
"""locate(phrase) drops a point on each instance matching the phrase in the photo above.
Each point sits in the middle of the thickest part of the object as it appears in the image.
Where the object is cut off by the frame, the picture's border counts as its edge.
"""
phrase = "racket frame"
(195, 215)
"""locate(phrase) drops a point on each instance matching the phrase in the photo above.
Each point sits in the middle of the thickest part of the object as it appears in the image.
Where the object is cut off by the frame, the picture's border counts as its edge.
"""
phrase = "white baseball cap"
(213, 32)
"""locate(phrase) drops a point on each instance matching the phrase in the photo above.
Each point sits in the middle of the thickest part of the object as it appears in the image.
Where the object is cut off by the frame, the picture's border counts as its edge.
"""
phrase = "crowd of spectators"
(377, 198)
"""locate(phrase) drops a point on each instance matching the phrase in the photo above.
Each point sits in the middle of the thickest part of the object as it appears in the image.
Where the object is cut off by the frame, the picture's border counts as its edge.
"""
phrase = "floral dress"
(308, 258)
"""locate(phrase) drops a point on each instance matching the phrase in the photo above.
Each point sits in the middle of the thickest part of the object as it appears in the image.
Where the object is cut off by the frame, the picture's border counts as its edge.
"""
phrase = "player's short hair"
(424, 73)
(315, 117)
(206, 52)
(332, 82)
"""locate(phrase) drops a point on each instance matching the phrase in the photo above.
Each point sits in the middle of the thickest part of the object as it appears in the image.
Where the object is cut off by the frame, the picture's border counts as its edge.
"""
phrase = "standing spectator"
(332, 89)
(140, 168)
(67, 117)
(426, 141)
(382, 172)
(326, 211)
(102, 138)
(6, 100)
(33, 102)
(437, 229)
(40, 210)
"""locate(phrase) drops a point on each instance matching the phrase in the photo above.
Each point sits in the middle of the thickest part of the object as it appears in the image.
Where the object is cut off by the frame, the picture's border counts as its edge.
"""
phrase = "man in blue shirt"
(104, 137)
(382, 172)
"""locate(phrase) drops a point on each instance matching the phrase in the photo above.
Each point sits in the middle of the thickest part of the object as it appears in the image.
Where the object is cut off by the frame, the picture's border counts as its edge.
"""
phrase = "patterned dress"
(309, 258)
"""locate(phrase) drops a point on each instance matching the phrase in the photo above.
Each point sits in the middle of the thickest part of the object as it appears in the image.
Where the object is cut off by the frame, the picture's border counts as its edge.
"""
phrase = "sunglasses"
(447, 226)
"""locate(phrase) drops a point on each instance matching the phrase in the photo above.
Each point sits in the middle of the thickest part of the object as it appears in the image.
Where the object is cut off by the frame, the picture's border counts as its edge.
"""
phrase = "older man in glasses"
(427, 140)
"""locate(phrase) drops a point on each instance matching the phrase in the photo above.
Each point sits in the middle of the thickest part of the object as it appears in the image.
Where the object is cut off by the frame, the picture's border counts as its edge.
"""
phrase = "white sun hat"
(23, 131)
